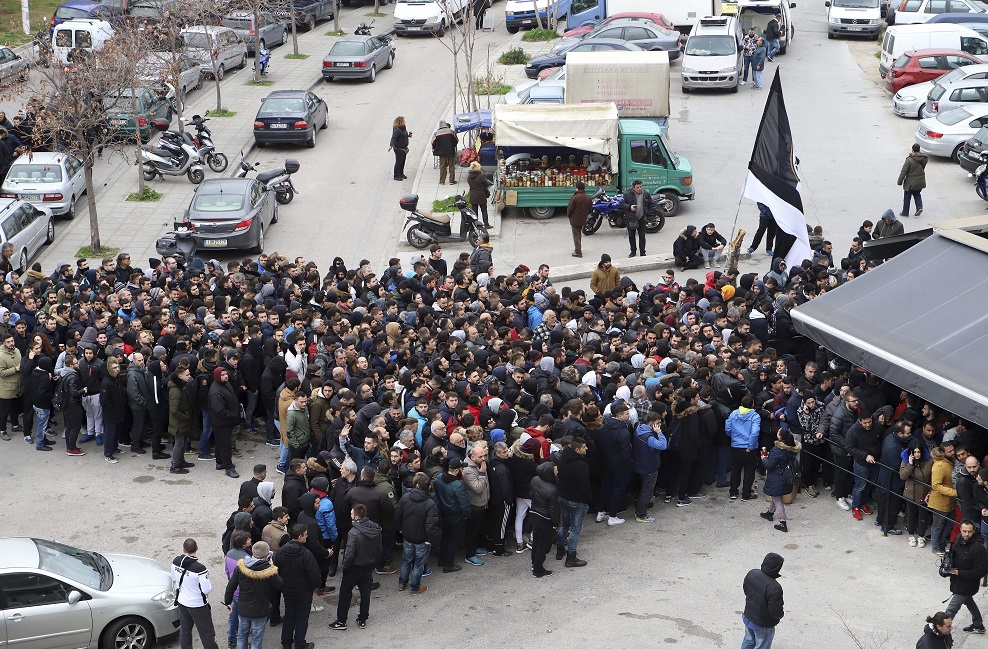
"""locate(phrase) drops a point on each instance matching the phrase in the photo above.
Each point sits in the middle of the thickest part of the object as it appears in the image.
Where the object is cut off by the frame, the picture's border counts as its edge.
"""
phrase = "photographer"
(967, 564)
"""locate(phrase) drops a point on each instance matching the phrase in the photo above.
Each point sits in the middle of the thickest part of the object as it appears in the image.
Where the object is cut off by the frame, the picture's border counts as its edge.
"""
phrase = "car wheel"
(328, 79)
(541, 213)
(686, 90)
(391, 61)
(512, 30)
(736, 87)
(128, 633)
(243, 62)
(259, 247)
(50, 234)
(890, 17)
(311, 24)
(23, 260)
(260, 145)
(441, 30)
(311, 142)
(220, 73)
(25, 73)
(955, 156)
(372, 77)
(782, 49)
(199, 81)
(830, 36)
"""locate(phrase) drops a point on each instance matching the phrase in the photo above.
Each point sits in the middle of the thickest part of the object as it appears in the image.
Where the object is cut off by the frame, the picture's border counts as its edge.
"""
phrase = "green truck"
(542, 150)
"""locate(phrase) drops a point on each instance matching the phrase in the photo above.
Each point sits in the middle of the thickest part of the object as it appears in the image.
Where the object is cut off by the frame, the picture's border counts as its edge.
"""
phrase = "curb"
(632, 265)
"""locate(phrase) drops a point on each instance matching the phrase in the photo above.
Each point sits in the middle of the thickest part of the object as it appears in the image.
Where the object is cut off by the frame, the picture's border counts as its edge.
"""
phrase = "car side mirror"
(74, 597)
(792, 5)
(826, 4)
(17, 57)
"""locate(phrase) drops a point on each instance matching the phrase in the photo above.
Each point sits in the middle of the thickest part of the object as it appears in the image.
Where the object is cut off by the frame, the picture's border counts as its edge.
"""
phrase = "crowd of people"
(473, 414)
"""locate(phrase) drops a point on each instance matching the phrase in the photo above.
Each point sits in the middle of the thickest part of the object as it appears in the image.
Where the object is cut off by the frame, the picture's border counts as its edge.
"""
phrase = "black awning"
(919, 321)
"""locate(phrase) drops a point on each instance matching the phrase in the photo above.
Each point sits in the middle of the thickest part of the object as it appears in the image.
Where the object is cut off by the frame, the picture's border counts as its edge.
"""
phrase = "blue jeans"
(233, 622)
(773, 48)
(863, 477)
(284, 455)
(943, 525)
(207, 434)
(255, 627)
(914, 194)
(40, 425)
(413, 561)
(747, 66)
(755, 639)
(571, 523)
(756, 78)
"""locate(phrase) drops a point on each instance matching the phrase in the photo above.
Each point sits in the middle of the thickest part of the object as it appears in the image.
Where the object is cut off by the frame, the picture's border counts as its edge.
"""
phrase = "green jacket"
(913, 174)
(179, 407)
(10, 373)
(297, 426)
(384, 484)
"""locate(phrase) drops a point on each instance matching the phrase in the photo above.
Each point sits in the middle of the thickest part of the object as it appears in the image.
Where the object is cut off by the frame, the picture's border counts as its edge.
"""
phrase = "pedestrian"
(941, 499)
(605, 277)
(138, 396)
(10, 385)
(257, 580)
(224, 415)
(686, 249)
(773, 34)
(180, 417)
(91, 374)
(545, 511)
(479, 9)
(712, 244)
(454, 506)
(785, 450)
(758, 63)
(912, 179)
(479, 191)
(72, 411)
(891, 486)
(615, 449)
(748, 49)
(502, 499)
(915, 470)
(636, 204)
(647, 445)
(299, 578)
(239, 548)
(444, 143)
(308, 516)
(417, 518)
(888, 226)
(936, 633)
(191, 579)
(363, 548)
(40, 391)
(399, 144)
(575, 493)
(113, 401)
(297, 430)
(968, 567)
(766, 227)
(577, 211)
(763, 603)
(864, 443)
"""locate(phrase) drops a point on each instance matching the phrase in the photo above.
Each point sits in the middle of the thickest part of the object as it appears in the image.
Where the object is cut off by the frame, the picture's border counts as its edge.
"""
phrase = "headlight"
(166, 598)
(689, 71)
(834, 21)
(905, 98)
(874, 21)
(509, 14)
(728, 70)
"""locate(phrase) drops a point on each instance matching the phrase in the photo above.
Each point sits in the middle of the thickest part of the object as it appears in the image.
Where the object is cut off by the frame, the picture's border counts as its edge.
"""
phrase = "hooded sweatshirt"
(763, 604)
(743, 426)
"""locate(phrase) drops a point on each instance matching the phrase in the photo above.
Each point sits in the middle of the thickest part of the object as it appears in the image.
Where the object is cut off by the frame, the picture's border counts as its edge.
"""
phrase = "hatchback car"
(970, 152)
(54, 181)
(655, 19)
(273, 30)
(544, 61)
(131, 111)
(55, 596)
(917, 66)
(358, 57)
(645, 35)
(911, 100)
(231, 214)
(945, 134)
(943, 98)
(912, 12)
(158, 66)
(219, 46)
(13, 66)
(290, 117)
(27, 228)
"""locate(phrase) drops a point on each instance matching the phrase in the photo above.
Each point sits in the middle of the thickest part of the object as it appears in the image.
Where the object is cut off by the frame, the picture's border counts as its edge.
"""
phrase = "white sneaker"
(316, 609)
(743, 83)
(921, 542)
(912, 541)
(614, 520)
(601, 517)
(706, 264)
(843, 504)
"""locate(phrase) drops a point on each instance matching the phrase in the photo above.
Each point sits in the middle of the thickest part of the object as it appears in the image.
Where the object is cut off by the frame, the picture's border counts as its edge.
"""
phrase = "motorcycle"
(179, 243)
(363, 29)
(203, 138)
(427, 228)
(172, 157)
(981, 176)
(277, 180)
(610, 206)
(263, 60)
(42, 46)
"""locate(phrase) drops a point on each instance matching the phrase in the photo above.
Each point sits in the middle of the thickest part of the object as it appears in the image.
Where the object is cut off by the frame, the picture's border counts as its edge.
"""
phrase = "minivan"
(521, 13)
(221, 45)
(427, 16)
(902, 38)
(83, 34)
(712, 58)
(853, 18)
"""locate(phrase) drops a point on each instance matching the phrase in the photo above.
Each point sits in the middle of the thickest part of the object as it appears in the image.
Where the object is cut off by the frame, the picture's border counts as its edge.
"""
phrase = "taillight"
(244, 225)
(936, 106)
(8, 195)
(251, 32)
(258, 126)
(142, 121)
(327, 64)
(933, 135)
(360, 64)
(51, 197)
(896, 72)
(302, 124)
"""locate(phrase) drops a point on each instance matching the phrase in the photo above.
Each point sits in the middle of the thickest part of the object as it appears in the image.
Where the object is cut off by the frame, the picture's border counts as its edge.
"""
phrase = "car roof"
(81, 4)
(958, 18)
(288, 93)
(18, 552)
(938, 52)
(608, 41)
(359, 38)
(225, 184)
(42, 157)
(966, 83)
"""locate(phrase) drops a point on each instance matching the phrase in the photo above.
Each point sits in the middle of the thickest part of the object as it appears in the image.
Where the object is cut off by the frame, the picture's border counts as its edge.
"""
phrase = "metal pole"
(26, 16)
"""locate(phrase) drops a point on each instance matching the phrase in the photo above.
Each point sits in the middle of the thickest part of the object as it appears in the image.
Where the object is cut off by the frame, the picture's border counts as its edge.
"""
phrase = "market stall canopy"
(919, 321)
(463, 122)
(587, 127)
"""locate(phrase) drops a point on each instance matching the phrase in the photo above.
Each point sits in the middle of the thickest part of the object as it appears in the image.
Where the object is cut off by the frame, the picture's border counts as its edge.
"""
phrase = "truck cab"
(646, 155)
(521, 13)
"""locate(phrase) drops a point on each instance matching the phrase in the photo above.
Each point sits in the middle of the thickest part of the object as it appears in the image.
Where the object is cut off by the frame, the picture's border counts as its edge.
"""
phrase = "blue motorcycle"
(263, 58)
(610, 206)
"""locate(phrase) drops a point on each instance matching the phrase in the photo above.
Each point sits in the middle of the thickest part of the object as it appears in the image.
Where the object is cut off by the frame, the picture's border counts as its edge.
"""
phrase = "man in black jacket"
(444, 142)
(417, 518)
(363, 548)
(636, 203)
(969, 567)
(40, 392)
(294, 487)
(258, 581)
(300, 577)
(763, 605)
(544, 510)
(864, 442)
(224, 414)
(573, 480)
(616, 451)
(502, 498)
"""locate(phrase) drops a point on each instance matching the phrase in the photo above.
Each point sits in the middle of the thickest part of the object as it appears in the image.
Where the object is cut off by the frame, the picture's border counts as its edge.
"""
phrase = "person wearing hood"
(417, 518)
(605, 277)
(647, 444)
(890, 484)
(544, 510)
(258, 582)
(363, 547)
(914, 470)
(888, 226)
(112, 401)
(40, 392)
(937, 632)
(179, 417)
(912, 179)
(778, 272)
(686, 249)
(763, 603)
(785, 450)
(299, 574)
(263, 504)
(72, 408)
(224, 415)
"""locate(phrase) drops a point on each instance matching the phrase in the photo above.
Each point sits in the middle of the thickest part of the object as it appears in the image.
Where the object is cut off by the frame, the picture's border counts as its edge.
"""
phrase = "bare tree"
(873, 640)
(459, 40)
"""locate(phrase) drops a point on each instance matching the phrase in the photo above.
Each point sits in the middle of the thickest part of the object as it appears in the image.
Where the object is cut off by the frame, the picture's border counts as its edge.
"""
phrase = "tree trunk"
(291, 12)
(336, 16)
(140, 169)
(257, 43)
(216, 80)
(94, 240)
(377, 6)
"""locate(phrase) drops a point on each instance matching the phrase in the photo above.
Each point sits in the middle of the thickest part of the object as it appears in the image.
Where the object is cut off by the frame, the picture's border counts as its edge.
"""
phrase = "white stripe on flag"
(787, 217)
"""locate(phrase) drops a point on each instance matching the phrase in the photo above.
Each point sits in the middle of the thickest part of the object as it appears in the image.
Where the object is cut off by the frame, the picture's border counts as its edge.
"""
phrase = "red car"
(658, 19)
(917, 66)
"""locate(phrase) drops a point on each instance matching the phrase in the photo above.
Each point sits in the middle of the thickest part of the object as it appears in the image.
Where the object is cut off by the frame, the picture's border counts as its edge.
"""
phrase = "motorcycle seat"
(164, 153)
(267, 176)
(436, 218)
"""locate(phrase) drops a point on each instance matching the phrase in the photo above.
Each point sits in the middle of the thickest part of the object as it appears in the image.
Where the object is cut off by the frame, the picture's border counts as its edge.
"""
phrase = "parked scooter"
(610, 206)
(363, 29)
(263, 60)
(427, 228)
(277, 180)
(981, 177)
(172, 157)
(179, 243)
(203, 138)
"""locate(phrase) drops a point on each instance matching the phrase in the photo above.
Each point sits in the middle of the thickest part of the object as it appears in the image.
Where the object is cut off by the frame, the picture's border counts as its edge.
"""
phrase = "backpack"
(61, 397)
(673, 434)
(792, 472)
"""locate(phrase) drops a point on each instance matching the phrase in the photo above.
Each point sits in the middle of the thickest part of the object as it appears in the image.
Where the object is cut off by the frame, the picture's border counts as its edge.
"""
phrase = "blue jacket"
(743, 429)
(646, 445)
(326, 517)
(758, 58)
(778, 459)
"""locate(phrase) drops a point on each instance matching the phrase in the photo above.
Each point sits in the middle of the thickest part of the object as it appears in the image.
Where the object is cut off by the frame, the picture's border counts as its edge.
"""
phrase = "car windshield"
(981, 136)
(218, 202)
(35, 173)
(236, 23)
(954, 117)
(146, 12)
(672, 154)
(856, 4)
(86, 568)
(196, 39)
(347, 48)
(68, 13)
(123, 103)
(281, 105)
(711, 46)
(952, 76)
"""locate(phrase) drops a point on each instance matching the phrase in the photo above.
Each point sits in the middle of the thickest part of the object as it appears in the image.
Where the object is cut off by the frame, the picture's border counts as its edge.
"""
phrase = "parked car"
(645, 35)
(358, 57)
(13, 66)
(231, 214)
(543, 61)
(131, 110)
(943, 98)
(945, 134)
(911, 12)
(522, 93)
(80, 35)
(905, 38)
(969, 155)
(273, 30)
(147, 12)
(27, 227)
(309, 12)
(74, 9)
(54, 181)
(656, 19)
(918, 66)
(290, 117)
(209, 44)
(158, 66)
(59, 597)
(911, 100)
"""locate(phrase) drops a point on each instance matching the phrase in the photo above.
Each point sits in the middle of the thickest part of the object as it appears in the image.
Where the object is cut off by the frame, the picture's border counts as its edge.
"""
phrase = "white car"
(53, 181)
(27, 228)
(945, 134)
(522, 93)
(910, 100)
(914, 12)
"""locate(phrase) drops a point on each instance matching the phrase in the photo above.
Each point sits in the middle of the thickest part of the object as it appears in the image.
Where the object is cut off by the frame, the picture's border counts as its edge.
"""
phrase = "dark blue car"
(109, 10)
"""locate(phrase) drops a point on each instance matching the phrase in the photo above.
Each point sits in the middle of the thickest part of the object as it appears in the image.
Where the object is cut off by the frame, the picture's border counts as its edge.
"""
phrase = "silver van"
(219, 45)
(713, 55)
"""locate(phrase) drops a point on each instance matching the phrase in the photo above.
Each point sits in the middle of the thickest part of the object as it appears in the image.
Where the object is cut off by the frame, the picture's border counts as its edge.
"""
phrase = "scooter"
(173, 157)
(179, 243)
(981, 177)
(203, 138)
(610, 206)
(427, 228)
(277, 180)
(263, 59)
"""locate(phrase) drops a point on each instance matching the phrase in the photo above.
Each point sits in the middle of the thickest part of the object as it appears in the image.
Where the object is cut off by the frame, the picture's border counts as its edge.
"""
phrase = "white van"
(428, 16)
(84, 34)
(712, 58)
(903, 38)
(853, 17)
(758, 13)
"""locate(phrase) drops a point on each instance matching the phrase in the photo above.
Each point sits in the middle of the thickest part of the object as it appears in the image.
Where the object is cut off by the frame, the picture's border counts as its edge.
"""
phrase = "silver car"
(273, 30)
(55, 596)
(53, 181)
(946, 97)
(159, 66)
(13, 66)
(358, 57)
(27, 228)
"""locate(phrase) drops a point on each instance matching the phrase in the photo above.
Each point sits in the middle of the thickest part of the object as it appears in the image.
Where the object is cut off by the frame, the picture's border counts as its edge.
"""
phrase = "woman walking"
(479, 192)
(399, 144)
(785, 451)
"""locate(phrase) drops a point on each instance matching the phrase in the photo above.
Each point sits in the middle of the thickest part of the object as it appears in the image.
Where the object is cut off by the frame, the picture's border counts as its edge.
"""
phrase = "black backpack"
(61, 397)
(792, 472)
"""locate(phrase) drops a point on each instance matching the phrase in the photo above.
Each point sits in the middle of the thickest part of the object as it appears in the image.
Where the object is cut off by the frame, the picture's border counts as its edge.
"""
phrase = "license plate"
(856, 29)
(30, 197)
(214, 243)
(341, 65)
(528, 22)
(414, 29)
(279, 126)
